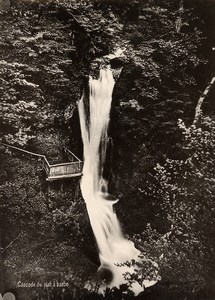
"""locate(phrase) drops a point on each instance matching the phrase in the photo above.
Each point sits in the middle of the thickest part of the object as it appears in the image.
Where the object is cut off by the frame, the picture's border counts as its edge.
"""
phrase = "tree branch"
(42, 243)
(11, 243)
(201, 100)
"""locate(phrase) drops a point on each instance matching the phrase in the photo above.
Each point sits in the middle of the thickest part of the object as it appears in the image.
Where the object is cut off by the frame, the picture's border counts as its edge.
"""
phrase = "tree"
(185, 193)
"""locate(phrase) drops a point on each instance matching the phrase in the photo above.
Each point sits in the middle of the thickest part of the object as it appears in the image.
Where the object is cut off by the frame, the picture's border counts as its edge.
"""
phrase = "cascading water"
(113, 247)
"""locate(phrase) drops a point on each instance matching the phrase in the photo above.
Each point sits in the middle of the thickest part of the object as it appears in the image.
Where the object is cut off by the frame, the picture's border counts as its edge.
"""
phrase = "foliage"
(36, 69)
(38, 228)
(163, 172)
(186, 195)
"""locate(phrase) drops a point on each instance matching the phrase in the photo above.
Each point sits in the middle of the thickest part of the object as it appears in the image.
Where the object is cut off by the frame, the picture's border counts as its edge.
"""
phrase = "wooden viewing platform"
(73, 168)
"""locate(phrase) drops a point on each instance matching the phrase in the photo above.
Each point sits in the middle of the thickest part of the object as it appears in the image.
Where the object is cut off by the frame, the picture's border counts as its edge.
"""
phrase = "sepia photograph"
(107, 149)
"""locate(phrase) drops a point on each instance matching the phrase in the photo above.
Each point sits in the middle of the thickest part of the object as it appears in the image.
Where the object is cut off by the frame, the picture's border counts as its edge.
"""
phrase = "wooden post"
(77, 191)
(48, 187)
(61, 186)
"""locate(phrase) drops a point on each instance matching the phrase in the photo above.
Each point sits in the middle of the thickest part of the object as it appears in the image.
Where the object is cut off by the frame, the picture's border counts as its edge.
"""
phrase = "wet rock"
(117, 62)
(68, 113)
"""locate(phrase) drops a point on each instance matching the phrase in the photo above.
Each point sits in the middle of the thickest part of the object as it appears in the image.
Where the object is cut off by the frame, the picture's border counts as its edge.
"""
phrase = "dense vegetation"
(162, 165)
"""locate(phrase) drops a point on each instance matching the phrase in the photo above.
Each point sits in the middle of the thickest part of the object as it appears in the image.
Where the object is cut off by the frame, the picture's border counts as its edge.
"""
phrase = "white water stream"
(113, 247)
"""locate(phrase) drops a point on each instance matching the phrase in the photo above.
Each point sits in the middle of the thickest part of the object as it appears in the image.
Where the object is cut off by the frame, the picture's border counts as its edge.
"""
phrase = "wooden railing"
(65, 169)
(71, 156)
(46, 166)
(22, 150)
(56, 171)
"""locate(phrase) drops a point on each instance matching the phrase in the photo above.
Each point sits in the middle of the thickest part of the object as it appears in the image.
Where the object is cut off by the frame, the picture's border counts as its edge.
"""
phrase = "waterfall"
(113, 247)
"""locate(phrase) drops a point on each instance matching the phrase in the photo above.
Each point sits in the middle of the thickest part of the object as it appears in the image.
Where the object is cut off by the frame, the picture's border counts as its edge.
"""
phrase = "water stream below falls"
(94, 120)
